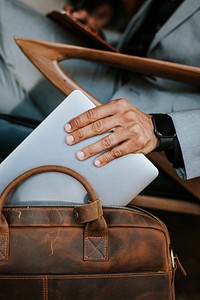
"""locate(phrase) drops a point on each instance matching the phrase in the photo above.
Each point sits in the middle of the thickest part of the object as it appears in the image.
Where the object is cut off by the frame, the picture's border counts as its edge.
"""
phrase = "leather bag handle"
(42, 169)
(84, 213)
(92, 211)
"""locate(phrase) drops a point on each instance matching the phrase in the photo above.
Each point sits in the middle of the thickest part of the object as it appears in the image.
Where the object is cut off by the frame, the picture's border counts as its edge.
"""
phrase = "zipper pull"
(179, 265)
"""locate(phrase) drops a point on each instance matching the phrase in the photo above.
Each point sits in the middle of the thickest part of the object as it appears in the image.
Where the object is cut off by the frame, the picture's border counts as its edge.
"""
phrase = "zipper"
(138, 209)
(71, 205)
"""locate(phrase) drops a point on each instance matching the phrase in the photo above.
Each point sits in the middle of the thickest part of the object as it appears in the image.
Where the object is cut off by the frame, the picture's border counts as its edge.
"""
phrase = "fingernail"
(97, 163)
(70, 139)
(68, 127)
(75, 14)
(80, 154)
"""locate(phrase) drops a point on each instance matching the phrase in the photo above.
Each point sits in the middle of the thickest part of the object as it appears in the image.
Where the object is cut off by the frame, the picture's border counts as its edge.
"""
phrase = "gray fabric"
(189, 139)
(178, 40)
(26, 85)
(134, 24)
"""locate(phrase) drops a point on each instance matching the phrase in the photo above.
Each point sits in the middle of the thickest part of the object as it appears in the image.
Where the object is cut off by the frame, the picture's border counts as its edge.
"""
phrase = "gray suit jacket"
(177, 41)
(23, 88)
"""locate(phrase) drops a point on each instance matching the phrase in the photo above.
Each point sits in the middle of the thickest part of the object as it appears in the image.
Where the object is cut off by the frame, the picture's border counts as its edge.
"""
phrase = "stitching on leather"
(96, 246)
(46, 209)
(127, 212)
(115, 275)
(39, 208)
(20, 278)
(95, 250)
(45, 288)
(120, 275)
(3, 246)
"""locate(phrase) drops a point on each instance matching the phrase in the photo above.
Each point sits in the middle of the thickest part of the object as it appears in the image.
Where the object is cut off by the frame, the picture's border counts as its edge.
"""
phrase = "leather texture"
(45, 254)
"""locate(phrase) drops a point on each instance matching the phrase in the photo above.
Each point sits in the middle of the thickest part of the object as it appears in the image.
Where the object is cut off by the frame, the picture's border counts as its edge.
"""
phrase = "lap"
(165, 186)
(13, 98)
(18, 20)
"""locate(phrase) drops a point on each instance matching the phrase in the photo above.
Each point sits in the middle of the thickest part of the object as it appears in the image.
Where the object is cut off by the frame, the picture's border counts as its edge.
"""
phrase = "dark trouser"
(13, 130)
(165, 186)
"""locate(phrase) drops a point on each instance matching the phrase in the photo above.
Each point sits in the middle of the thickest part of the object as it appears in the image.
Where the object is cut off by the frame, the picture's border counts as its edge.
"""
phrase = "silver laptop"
(116, 183)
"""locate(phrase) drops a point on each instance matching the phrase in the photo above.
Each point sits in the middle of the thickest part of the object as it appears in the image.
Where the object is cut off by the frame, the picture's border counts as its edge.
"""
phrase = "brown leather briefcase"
(83, 252)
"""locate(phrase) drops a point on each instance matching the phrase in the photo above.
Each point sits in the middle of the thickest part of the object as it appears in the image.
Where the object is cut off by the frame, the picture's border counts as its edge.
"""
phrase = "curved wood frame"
(46, 57)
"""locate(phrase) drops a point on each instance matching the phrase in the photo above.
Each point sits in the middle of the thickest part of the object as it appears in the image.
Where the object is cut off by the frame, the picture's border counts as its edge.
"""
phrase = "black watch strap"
(164, 130)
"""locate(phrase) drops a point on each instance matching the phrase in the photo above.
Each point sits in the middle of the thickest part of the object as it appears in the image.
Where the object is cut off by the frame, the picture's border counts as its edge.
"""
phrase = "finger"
(90, 116)
(127, 147)
(81, 15)
(68, 9)
(103, 144)
(96, 128)
(111, 155)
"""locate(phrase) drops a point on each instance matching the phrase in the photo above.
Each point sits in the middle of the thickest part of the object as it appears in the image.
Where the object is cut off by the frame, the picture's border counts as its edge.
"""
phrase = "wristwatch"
(164, 130)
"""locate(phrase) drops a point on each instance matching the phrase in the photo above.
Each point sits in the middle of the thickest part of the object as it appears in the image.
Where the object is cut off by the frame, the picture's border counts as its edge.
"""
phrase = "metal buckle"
(172, 258)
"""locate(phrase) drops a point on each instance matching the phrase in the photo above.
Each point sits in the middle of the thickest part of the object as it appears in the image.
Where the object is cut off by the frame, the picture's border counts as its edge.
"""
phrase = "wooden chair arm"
(166, 204)
(47, 55)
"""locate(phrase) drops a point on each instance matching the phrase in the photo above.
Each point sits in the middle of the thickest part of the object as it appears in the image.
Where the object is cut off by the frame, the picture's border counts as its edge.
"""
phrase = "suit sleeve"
(187, 125)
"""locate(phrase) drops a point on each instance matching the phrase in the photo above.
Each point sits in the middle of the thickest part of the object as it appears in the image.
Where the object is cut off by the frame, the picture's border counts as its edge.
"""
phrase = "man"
(134, 130)
(165, 33)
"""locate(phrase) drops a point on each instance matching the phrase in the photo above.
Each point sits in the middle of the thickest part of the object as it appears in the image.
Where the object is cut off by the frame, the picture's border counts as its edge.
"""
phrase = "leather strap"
(88, 212)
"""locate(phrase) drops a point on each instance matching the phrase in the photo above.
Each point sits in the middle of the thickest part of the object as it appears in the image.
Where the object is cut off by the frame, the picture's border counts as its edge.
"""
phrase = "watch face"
(163, 125)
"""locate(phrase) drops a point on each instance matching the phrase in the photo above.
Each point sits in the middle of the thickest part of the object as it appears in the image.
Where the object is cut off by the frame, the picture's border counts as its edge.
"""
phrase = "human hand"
(95, 20)
(132, 131)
